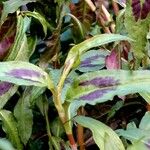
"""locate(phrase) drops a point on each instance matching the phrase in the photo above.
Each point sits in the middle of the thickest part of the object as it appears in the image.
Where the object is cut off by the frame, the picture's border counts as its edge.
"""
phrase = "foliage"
(66, 65)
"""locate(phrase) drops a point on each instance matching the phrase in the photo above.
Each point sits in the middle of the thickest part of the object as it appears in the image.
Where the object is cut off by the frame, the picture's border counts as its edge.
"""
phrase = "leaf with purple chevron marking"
(22, 73)
(93, 60)
(140, 10)
(101, 86)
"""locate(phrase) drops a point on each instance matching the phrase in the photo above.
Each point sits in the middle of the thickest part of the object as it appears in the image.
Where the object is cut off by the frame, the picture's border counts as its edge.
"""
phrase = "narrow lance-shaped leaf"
(104, 137)
(76, 51)
(41, 19)
(10, 127)
(11, 6)
(95, 41)
(23, 112)
(19, 50)
(23, 73)
(93, 60)
(100, 86)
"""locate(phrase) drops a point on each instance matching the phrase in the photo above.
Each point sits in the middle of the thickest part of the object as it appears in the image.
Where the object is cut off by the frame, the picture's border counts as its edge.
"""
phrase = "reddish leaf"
(112, 61)
(4, 46)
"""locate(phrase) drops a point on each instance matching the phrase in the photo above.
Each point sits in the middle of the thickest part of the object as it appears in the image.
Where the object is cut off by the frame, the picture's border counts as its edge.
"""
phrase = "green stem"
(48, 130)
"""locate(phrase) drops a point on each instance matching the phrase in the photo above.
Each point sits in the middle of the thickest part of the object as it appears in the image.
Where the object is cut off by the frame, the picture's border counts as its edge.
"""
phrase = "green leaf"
(104, 136)
(95, 41)
(146, 96)
(40, 18)
(138, 146)
(11, 6)
(20, 49)
(136, 32)
(24, 116)
(141, 134)
(23, 112)
(5, 144)
(32, 41)
(23, 73)
(145, 122)
(57, 127)
(10, 127)
(101, 86)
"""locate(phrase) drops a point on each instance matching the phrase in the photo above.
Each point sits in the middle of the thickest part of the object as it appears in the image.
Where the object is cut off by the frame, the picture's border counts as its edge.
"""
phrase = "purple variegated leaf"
(93, 60)
(136, 8)
(4, 46)
(140, 11)
(23, 73)
(4, 87)
(6, 91)
(101, 86)
(112, 61)
(145, 9)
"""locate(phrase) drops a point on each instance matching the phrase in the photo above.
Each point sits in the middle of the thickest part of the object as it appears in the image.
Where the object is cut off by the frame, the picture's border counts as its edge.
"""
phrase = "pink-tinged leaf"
(4, 46)
(145, 9)
(4, 87)
(136, 8)
(112, 61)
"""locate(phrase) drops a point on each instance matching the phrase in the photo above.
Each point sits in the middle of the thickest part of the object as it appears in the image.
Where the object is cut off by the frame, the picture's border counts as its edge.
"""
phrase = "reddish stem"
(72, 142)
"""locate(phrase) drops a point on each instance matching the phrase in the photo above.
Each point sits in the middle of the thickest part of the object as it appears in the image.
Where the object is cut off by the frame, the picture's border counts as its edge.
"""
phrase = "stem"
(72, 142)
(108, 17)
(80, 133)
(91, 5)
(48, 130)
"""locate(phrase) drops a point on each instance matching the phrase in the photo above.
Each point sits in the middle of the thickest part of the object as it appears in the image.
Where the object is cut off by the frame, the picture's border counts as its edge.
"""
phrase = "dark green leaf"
(10, 127)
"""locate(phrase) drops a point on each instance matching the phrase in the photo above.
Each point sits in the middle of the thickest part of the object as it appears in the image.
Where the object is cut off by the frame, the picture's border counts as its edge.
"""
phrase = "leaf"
(135, 30)
(40, 18)
(6, 91)
(19, 49)
(10, 128)
(145, 122)
(104, 136)
(138, 146)
(23, 73)
(32, 41)
(57, 127)
(11, 6)
(92, 60)
(23, 112)
(112, 61)
(5, 144)
(95, 41)
(4, 46)
(141, 134)
(146, 96)
(42, 104)
(101, 86)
